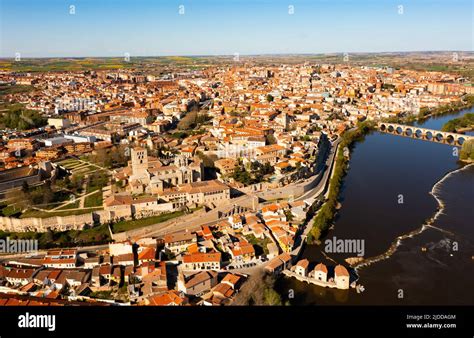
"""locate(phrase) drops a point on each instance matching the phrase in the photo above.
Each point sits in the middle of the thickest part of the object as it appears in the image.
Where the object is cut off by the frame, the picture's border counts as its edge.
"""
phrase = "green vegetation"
(106, 294)
(208, 161)
(327, 211)
(179, 135)
(61, 194)
(96, 181)
(115, 157)
(260, 245)
(45, 214)
(9, 210)
(255, 174)
(258, 290)
(462, 122)
(56, 239)
(6, 89)
(44, 196)
(73, 205)
(193, 120)
(18, 117)
(271, 297)
(15, 115)
(446, 109)
(138, 223)
(72, 64)
(467, 151)
(270, 139)
(94, 200)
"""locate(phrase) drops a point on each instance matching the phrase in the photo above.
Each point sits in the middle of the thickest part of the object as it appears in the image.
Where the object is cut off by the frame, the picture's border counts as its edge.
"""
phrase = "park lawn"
(93, 187)
(94, 200)
(138, 223)
(8, 210)
(77, 165)
(43, 214)
(82, 170)
(68, 162)
(73, 205)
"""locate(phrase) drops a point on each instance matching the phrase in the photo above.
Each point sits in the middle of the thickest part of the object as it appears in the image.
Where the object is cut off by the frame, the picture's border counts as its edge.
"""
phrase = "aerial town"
(176, 189)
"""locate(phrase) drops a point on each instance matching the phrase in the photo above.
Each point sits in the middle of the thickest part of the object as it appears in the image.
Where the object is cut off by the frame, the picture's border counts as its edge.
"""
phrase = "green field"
(14, 89)
(59, 64)
(94, 200)
(73, 205)
(111, 63)
(44, 214)
(138, 223)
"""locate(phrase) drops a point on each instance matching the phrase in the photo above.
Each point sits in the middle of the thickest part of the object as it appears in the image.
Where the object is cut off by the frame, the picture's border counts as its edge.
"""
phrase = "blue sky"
(211, 27)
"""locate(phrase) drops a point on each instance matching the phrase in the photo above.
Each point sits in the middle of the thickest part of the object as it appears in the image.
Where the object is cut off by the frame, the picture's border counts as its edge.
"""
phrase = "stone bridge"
(424, 134)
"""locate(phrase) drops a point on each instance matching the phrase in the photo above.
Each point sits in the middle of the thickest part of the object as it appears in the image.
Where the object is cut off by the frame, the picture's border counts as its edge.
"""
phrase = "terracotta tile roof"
(202, 257)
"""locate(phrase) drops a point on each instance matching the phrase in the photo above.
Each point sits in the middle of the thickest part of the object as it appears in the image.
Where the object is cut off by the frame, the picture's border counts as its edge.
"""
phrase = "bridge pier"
(419, 133)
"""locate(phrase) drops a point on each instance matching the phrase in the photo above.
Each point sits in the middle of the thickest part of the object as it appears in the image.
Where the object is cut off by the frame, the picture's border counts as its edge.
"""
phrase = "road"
(314, 193)
(198, 221)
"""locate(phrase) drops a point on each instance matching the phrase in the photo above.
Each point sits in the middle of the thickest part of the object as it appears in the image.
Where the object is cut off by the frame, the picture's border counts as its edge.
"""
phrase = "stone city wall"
(36, 224)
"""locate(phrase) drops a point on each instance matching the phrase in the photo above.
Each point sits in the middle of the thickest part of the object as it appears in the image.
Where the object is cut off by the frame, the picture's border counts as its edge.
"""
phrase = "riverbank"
(445, 110)
(328, 210)
(385, 195)
(460, 124)
(427, 113)
(326, 214)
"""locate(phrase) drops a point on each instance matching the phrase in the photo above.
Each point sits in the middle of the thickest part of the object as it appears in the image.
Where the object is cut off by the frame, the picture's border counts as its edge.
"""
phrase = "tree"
(20, 118)
(241, 175)
(271, 297)
(271, 139)
(47, 193)
(258, 290)
(25, 187)
(206, 160)
(467, 151)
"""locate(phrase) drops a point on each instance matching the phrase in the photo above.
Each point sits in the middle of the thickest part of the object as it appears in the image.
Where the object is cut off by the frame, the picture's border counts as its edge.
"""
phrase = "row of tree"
(462, 122)
(326, 213)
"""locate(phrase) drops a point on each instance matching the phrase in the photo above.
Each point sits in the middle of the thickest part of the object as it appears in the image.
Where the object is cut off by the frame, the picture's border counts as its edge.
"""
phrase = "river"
(386, 194)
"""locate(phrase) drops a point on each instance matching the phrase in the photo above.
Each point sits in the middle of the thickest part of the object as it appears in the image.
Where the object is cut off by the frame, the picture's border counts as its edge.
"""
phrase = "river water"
(386, 194)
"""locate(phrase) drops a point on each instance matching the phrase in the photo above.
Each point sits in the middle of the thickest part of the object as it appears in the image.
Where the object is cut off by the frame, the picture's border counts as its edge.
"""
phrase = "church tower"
(139, 162)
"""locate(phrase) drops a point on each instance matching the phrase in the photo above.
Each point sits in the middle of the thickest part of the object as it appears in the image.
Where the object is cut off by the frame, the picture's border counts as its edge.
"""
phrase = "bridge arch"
(426, 134)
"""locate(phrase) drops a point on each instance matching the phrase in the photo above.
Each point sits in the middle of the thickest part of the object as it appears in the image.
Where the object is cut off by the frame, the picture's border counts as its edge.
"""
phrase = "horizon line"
(239, 54)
